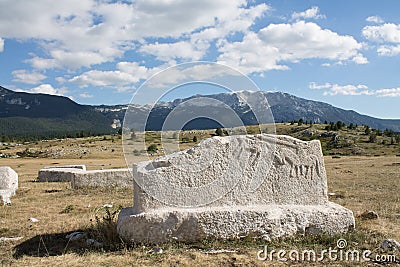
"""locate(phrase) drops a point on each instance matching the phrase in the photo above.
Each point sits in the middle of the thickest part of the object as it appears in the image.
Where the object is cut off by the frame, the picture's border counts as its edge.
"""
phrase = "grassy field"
(366, 180)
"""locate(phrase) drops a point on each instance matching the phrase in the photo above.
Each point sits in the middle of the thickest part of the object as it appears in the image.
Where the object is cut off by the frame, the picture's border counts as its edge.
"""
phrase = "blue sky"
(345, 53)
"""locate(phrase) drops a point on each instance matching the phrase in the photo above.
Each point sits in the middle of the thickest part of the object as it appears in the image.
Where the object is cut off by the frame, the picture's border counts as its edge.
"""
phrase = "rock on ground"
(8, 184)
(80, 177)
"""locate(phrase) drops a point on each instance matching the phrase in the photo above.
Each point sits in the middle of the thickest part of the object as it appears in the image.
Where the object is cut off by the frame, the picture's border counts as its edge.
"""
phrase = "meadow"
(362, 175)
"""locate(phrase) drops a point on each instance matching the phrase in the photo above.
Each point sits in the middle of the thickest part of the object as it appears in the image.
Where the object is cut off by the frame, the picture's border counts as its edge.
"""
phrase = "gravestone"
(8, 184)
(59, 173)
(80, 177)
(102, 178)
(266, 186)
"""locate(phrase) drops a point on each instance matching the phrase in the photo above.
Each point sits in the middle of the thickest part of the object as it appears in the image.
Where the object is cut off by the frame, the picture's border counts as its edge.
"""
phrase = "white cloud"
(278, 43)
(179, 50)
(122, 79)
(386, 33)
(113, 79)
(75, 33)
(133, 68)
(351, 90)
(60, 79)
(388, 50)
(198, 43)
(375, 19)
(1, 45)
(74, 60)
(315, 86)
(250, 55)
(312, 13)
(23, 76)
(85, 95)
(336, 89)
(360, 59)
(239, 21)
(43, 63)
(392, 92)
(46, 89)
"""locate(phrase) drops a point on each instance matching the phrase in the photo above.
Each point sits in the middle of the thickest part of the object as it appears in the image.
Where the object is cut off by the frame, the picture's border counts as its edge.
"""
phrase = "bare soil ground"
(357, 182)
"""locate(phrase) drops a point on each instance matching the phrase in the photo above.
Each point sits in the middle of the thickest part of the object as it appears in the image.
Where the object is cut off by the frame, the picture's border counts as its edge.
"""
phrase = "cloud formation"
(78, 33)
(45, 89)
(392, 92)
(23, 76)
(115, 79)
(386, 35)
(312, 13)
(276, 44)
(353, 90)
(375, 19)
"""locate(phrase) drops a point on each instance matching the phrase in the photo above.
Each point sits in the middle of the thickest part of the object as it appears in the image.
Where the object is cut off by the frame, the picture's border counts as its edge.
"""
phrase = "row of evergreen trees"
(38, 137)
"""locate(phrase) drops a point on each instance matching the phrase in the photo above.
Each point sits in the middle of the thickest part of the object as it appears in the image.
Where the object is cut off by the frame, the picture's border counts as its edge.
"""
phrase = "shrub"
(152, 148)
(219, 132)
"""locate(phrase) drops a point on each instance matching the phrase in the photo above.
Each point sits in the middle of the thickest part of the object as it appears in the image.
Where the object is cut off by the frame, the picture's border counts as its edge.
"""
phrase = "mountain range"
(42, 115)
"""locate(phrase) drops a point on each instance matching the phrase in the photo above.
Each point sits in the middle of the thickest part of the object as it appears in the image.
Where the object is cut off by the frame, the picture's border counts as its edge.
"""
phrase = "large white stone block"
(226, 187)
(103, 178)
(80, 177)
(58, 174)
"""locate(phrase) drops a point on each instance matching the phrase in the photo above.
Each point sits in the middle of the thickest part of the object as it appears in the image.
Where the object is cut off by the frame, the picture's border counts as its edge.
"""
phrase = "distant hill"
(41, 115)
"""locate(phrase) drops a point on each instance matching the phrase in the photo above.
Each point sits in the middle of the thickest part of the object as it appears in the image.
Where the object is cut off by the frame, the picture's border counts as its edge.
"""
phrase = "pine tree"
(372, 138)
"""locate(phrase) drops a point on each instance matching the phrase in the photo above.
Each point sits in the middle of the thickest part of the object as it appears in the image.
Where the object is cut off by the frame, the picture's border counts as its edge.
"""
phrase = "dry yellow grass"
(359, 183)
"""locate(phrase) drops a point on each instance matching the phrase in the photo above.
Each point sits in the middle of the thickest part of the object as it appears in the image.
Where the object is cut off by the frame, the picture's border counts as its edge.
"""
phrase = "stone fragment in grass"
(8, 184)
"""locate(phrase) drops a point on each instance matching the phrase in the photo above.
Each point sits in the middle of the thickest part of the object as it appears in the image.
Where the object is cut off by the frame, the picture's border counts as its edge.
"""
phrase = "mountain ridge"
(43, 115)
(285, 107)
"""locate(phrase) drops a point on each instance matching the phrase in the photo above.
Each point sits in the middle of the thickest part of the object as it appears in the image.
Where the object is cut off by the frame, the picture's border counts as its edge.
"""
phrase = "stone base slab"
(264, 221)
(103, 178)
(57, 174)
(80, 177)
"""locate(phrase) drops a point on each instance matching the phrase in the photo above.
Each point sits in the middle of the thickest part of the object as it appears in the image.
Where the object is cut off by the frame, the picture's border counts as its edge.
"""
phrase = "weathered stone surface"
(264, 221)
(58, 174)
(263, 185)
(102, 178)
(80, 177)
(62, 173)
(8, 184)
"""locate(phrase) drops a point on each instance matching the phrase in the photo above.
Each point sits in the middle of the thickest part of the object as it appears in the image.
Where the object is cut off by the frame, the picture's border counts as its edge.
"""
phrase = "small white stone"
(158, 250)
(5, 239)
(34, 220)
